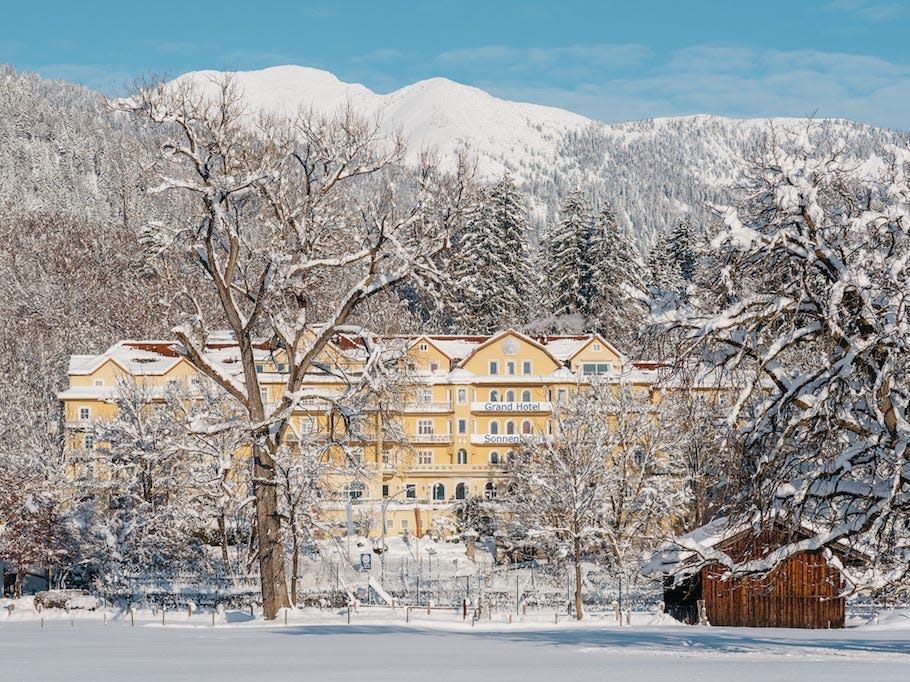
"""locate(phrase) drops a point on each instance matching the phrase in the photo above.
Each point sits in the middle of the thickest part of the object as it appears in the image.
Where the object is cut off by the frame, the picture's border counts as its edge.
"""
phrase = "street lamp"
(384, 506)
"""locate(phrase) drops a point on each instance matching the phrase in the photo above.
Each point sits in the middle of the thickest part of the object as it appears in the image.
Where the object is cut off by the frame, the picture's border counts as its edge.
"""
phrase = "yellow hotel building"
(472, 399)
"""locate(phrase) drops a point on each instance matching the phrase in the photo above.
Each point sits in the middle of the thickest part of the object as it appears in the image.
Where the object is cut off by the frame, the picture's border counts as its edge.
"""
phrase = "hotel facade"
(467, 403)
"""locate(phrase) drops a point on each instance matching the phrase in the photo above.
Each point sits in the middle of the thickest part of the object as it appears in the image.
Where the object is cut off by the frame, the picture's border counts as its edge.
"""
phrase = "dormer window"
(595, 347)
(595, 368)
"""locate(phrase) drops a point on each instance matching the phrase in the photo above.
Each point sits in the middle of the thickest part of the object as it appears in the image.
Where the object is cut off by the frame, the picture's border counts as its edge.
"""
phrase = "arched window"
(461, 491)
(510, 457)
(494, 396)
(439, 492)
(525, 396)
(462, 457)
(526, 427)
(510, 396)
(494, 457)
(489, 491)
(510, 427)
(494, 428)
(354, 490)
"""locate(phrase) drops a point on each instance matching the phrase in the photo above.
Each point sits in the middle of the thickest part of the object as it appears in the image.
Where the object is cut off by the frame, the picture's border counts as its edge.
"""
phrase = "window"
(281, 367)
(462, 457)
(595, 368)
(638, 456)
(434, 366)
(99, 383)
(385, 490)
(424, 456)
(494, 367)
(494, 457)
(85, 413)
(462, 396)
(494, 428)
(510, 457)
(595, 347)
(307, 425)
(386, 457)
(561, 396)
(88, 441)
(410, 492)
(389, 524)
(404, 524)
(438, 492)
(354, 490)
(489, 491)
(525, 396)
(461, 491)
(526, 427)
(510, 367)
(264, 395)
(510, 396)
(510, 428)
(260, 368)
(462, 426)
(424, 396)
(424, 427)
(423, 348)
(494, 396)
(526, 367)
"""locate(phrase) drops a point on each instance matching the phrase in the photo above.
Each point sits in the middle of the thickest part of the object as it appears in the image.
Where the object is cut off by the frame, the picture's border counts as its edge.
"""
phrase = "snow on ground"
(379, 645)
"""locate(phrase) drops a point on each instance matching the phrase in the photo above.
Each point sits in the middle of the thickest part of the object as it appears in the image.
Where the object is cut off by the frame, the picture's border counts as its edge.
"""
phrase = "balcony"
(443, 407)
(430, 438)
(454, 468)
(512, 408)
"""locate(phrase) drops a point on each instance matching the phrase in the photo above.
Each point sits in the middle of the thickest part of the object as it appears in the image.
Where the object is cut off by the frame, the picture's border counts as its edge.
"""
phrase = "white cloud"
(868, 10)
(737, 81)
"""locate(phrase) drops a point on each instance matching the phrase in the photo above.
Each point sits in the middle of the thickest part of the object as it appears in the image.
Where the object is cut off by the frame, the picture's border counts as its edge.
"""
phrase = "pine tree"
(683, 245)
(567, 271)
(664, 270)
(493, 284)
(615, 268)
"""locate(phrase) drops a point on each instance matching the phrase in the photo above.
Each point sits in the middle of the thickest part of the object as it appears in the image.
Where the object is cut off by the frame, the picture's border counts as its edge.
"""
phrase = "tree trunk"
(17, 585)
(225, 557)
(579, 608)
(268, 529)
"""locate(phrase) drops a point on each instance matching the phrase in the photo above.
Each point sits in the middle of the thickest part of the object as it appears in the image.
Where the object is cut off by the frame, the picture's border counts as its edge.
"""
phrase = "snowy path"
(93, 651)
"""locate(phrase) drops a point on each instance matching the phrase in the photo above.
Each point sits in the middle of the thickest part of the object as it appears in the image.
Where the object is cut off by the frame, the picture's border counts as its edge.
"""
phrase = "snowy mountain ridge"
(654, 171)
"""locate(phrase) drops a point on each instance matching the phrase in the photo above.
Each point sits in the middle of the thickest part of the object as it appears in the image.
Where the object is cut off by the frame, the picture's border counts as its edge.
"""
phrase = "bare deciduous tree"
(296, 223)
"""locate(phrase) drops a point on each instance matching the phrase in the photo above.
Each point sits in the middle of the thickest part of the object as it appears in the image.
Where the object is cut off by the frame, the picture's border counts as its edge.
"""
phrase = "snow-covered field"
(379, 645)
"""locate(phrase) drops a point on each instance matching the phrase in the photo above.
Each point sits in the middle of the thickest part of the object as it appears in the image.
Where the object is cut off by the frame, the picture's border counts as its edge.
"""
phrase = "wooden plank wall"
(800, 593)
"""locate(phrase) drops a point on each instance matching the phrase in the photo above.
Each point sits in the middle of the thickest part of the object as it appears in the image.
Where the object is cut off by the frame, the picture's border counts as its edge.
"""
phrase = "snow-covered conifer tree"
(616, 271)
(567, 273)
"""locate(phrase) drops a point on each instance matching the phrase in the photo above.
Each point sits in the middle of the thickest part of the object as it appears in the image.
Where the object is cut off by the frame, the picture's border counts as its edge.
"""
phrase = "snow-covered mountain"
(62, 149)
(654, 171)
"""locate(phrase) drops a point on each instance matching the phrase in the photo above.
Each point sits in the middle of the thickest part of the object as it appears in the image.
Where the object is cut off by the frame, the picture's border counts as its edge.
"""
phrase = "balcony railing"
(427, 407)
(430, 438)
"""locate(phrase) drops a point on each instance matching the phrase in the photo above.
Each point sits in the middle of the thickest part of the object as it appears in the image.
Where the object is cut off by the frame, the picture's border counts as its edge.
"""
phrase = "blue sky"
(608, 60)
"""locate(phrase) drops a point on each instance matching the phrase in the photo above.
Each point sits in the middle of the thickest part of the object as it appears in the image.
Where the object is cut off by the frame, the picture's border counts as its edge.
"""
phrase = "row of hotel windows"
(437, 492)
(461, 457)
(425, 427)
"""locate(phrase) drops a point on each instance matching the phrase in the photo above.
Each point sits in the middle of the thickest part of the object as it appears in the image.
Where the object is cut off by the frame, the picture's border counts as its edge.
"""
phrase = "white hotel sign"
(511, 407)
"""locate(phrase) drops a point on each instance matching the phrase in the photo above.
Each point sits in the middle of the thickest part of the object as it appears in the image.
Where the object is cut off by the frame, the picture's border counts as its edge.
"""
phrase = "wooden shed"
(801, 592)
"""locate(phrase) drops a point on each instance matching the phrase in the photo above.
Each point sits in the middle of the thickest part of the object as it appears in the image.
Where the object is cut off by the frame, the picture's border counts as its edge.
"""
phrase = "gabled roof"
(510, 332)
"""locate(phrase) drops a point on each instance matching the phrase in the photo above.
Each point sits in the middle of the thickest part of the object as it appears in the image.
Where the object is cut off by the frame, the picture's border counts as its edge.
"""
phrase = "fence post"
(464, 609)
